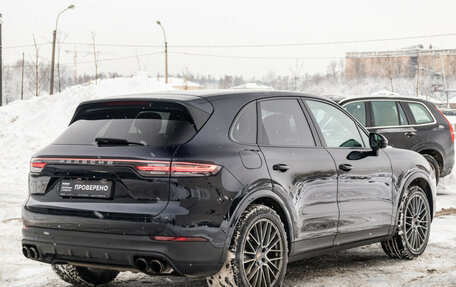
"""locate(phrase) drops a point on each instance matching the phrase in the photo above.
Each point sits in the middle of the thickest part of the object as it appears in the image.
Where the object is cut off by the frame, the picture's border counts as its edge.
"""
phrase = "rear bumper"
(62, 246)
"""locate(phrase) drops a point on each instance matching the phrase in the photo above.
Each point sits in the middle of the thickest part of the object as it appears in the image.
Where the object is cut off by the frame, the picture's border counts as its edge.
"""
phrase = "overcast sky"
(221, 23)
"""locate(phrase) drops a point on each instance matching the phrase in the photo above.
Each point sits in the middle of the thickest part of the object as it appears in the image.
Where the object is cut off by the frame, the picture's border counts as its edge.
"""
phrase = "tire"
(435, 167)
(83, 276)
(412, 232)
(242, 260)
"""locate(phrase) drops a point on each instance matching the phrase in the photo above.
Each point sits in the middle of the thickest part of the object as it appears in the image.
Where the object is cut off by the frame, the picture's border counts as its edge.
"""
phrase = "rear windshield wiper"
(114, 141)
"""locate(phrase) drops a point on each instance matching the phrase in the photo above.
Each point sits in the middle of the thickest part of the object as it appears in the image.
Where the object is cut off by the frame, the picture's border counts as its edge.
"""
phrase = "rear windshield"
(151, 125)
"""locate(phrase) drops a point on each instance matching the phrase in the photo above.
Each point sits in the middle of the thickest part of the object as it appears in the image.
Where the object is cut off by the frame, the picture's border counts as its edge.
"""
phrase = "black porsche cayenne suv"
(408, 123)
(228, 185)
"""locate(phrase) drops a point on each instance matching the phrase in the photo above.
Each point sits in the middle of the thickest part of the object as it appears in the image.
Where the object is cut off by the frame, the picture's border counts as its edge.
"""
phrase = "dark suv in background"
(231, 185)
(408, 123)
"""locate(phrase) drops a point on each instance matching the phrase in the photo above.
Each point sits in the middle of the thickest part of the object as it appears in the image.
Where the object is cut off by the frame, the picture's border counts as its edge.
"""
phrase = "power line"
(121, 58)
(87, 62)
(256, 57)
(315, 43)
(25, 45)
(251, 45)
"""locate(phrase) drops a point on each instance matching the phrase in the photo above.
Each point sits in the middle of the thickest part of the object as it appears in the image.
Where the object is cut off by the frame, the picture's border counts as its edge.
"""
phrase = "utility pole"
(54, 36)
(166, 53)
(1, 65)
(22, 80)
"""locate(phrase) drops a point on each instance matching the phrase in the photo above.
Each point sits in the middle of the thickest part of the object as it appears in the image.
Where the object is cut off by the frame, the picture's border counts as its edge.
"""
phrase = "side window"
(358, 111)
(244, 128)
(385, 113)
(284, 124)
(337, 128)
(420, 113)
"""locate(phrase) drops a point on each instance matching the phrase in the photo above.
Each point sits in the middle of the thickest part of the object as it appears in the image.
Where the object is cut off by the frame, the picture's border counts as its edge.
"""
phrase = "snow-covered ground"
(27, 126)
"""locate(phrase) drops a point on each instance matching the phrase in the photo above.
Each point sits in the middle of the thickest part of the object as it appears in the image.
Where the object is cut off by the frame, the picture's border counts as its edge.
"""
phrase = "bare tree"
(39, 73)
(37, 64)
(138, 61)
(296, 72)
(186, 76)
(389, 68)
(95, 56)
(342, 67)
(332, 69)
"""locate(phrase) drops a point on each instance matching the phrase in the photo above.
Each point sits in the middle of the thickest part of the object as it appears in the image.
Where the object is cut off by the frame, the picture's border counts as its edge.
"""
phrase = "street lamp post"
(166, 53)
(54, 36)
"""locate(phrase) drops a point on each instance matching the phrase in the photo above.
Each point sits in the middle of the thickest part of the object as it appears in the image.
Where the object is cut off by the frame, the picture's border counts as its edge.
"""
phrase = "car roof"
(200, 99)
(342, 100)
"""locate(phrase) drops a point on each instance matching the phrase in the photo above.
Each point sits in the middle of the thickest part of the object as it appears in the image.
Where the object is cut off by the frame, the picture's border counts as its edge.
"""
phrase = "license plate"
(85, 188)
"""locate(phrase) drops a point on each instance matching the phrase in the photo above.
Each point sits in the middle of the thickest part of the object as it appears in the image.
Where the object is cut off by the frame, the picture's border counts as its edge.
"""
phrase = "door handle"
(280, 167)
(410, 134)
(345, 167)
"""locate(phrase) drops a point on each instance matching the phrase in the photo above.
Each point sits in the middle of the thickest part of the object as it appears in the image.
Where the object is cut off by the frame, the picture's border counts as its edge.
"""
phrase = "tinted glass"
(244, 128)
(420, 113)
(358, 111)
(284, 124)
(337, 128)
(152, 126)
(385, 113)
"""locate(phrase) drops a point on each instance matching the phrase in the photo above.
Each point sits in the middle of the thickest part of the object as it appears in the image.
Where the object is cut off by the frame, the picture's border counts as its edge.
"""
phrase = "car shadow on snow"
(298, 272)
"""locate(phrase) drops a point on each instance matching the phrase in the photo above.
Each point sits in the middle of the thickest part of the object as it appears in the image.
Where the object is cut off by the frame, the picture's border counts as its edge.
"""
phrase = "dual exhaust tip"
(30, 252)
(156, 266)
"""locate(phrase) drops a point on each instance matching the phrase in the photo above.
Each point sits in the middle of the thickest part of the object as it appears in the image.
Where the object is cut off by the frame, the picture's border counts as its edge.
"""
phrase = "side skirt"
(303, 255)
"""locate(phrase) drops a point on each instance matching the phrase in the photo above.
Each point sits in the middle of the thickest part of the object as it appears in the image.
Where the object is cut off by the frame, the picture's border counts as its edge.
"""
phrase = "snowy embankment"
(27, 126)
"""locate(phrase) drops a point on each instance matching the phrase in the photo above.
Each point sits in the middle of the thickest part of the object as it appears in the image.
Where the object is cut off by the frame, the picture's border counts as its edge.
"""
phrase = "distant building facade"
(400, 63)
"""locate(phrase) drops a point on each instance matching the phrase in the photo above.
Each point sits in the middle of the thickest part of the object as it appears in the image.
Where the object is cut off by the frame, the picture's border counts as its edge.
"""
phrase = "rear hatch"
(114, 160)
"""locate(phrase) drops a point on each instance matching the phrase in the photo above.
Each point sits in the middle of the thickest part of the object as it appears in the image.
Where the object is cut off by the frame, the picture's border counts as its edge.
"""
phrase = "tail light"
(37, 165)
(143, 167)
(451, 126)
(178, 169)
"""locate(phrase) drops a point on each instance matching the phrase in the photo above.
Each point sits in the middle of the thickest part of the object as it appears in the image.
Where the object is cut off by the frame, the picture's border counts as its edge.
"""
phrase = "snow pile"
(29, 125)
(252, 86)
(179, 83)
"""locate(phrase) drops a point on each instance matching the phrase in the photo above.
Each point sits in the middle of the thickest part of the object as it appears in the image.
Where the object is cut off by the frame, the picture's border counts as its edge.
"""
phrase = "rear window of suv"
(158, 124)
(420, 113)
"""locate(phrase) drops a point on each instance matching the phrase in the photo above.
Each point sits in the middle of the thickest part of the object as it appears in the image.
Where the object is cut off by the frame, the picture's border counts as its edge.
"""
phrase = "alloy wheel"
(262, 252)
(416, 223)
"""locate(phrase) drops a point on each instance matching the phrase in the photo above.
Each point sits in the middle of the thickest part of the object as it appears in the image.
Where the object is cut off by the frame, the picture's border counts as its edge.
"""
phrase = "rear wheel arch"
(436, 155)
(269, 199)
(284, 217)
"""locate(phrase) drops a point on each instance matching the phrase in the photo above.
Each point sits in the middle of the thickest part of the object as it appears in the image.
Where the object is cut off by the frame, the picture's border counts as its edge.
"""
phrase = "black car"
(408, 123)
(232, 185)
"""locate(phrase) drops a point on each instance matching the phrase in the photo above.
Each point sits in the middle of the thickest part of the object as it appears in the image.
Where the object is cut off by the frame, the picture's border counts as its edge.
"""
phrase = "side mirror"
(377, 141)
